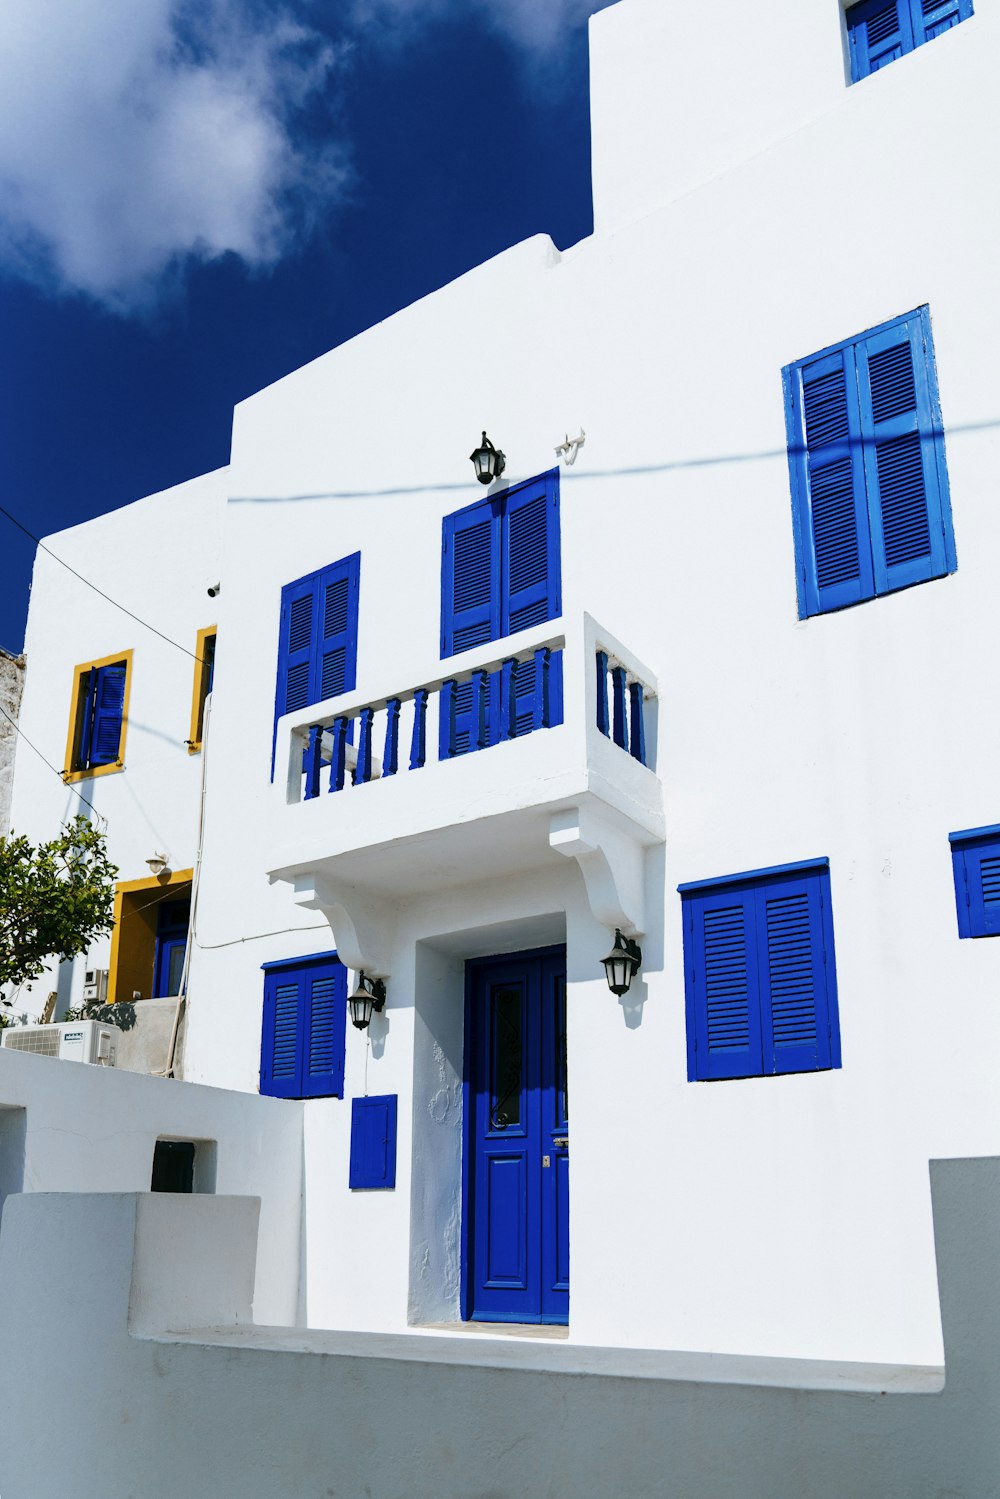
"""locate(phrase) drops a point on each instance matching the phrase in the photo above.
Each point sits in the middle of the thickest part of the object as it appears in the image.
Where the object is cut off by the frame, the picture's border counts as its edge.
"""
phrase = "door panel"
(517, 1140)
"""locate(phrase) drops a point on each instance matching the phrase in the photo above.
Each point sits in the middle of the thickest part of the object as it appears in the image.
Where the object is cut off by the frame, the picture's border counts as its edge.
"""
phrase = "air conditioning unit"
(73, 1041)
(95, 986)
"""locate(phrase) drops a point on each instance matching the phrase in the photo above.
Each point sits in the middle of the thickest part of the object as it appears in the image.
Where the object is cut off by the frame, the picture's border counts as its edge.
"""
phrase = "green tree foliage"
(54, 899)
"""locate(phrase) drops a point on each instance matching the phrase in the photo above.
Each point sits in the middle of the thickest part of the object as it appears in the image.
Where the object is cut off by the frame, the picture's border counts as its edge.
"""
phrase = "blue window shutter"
(879, 32)
(88, 691)
(792, 961)
(470, 577)
(903, 454)
(297, 646)
(724, 1038)
(337, 619)
(107, 694)
(324, 1031)
(304, 1029)
(530, 549)
(373, 1142)
(828, 483)
(976, 861)
(931, 17)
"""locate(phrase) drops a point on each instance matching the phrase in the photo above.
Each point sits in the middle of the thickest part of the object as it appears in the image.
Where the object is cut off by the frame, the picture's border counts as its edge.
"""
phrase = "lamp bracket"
(358, 919)
(613, 865)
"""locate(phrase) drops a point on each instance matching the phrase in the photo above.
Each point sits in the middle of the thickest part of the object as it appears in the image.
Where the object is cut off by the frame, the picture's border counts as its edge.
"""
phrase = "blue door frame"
(515, 1172)
(171, 941)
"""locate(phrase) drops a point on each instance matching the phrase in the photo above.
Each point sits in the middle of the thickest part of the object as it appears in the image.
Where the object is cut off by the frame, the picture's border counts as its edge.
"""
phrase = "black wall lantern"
(488, 462)
(622, 963)
(368, 996)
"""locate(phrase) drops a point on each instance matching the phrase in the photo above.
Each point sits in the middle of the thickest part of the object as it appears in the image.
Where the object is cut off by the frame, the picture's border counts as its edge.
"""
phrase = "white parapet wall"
(71, 1127)
(158, 1383)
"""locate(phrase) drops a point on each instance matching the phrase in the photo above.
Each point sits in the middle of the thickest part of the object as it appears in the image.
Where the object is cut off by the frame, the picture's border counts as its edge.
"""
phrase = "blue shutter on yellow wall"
(870, 506)
(760, 979)
(304, 1027)
(318, 637)
(500, 565)
(880, 31)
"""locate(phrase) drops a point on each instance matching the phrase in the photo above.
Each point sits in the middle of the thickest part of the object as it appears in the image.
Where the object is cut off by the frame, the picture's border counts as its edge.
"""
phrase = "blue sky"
(196, 198)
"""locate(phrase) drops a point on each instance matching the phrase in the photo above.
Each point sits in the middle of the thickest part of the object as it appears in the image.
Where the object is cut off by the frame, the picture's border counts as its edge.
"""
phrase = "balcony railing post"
(314, 759)
(480, 702)
(418, 744)
(390, 760)
(602, 692)
(637, 726)
(508, 706)
(619, 728)
(338, 754)
(363, 766)
(542, 716)
(446, 724)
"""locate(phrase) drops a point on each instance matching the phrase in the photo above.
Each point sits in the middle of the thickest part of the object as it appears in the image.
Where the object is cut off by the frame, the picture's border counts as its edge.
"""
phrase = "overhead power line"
(144, 622)
(21, 734)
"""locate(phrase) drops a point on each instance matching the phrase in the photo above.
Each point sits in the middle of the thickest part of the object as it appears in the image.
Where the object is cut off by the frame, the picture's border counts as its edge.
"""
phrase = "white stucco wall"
(11, 688)
(782, 1216)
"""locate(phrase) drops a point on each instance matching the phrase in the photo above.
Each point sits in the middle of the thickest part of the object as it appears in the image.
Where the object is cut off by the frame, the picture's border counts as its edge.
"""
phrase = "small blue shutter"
(107, 694)
(373, 1142)
(976, 860)
(530, 582)
(470, 577)
(791, 956)
(936, 16)
(825, 453)
(879, 33)
(303, 1029)
(723, 1000)
(901, 454)
(318, 637)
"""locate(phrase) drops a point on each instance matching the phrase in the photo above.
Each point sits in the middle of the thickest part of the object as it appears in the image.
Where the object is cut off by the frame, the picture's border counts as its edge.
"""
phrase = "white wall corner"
(359, 920)
(612, 863)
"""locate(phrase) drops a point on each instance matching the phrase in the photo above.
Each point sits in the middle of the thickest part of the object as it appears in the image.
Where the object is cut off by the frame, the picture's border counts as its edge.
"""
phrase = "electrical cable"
(114, 602)
(20, 732)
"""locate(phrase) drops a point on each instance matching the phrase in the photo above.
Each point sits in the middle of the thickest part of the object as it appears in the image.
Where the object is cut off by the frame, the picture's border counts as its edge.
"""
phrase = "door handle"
(560, 1140)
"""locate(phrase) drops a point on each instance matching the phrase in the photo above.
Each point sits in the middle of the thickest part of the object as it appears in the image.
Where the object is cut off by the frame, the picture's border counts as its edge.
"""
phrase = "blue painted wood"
(418, 744)
(976, 867)
(480, 729)
(542, 716)
(637, 724)
(363, 765)
(530, 561)
(508, 706)
(313, 760)
(619, 728)
(317, 637)
(760, 976)
(373, 1143)
(390, 759)
(446, 719)
(880, 31)
(470, 577)
(304, 1029)
(603, 720)
(107, 696)
(745, 875)
(870, 504)
(517, 1244)
(338, 755)
(172, 919)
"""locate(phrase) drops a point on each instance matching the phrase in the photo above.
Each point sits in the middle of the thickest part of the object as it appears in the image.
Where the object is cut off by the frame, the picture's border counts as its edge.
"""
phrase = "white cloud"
(136, 135)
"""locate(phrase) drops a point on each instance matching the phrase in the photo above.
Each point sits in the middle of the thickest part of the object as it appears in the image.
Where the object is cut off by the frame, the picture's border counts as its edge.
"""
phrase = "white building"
(775, 555)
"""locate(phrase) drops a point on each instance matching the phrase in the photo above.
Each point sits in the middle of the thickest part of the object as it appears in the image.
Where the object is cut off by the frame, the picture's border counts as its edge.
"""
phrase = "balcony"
(531, 748)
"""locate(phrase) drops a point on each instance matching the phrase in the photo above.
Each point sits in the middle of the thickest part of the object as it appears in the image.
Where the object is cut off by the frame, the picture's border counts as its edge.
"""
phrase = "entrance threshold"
(547, 1331)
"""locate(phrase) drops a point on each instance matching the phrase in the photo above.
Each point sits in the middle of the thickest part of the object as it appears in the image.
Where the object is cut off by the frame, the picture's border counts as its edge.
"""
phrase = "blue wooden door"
(171, 944)
(517, 1238)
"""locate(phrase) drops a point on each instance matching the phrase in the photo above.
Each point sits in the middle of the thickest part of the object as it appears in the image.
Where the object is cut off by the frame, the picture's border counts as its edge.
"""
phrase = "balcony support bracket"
(359, 920)
(612, 862)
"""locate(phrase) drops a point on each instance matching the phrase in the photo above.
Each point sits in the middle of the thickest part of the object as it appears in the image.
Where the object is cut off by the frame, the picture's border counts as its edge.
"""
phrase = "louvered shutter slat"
(725, 1022)
(108, 710)
(879, 32)
(470, 578)
(834, 526)
(324, 1026)
(531, 581)
(907, 531)
(790, 939)
(303, 1029)
(940, 15)
(983, 873)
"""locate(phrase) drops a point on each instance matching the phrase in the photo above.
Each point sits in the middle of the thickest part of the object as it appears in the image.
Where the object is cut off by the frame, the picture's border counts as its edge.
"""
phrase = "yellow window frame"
(199, 690)
(133, 959)
(72, 772)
